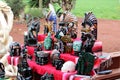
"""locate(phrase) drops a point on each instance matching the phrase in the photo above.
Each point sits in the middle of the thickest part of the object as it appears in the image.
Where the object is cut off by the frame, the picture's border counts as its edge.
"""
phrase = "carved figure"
(6, 22)
(90, 24)
(30, 37)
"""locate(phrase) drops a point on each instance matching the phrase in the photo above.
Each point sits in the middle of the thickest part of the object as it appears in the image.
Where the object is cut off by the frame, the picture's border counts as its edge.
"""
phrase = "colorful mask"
(77, 46)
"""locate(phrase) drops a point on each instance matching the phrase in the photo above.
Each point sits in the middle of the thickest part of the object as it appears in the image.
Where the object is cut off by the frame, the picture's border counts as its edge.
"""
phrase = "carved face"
(77, 45)
(6, 21)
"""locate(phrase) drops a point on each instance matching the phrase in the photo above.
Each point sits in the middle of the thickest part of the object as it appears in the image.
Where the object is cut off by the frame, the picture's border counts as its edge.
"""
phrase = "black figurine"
(31, 36)
(41, 57)
(25, 72)
(15, 49)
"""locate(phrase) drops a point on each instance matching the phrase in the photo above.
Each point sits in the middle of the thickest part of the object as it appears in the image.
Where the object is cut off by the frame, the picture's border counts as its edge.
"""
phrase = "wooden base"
(112, 76)
(115, 67)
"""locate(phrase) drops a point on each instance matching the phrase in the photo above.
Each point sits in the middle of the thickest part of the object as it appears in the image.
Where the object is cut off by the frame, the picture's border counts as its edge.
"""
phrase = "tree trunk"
(40, 4)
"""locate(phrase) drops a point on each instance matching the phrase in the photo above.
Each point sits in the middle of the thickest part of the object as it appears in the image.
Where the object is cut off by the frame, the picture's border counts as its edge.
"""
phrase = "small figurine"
(41, 57)
(88, 42)
(85, 63)
(48, 45)
(90, 24)
(68, 44)
(52, 18)
(30, 37)
(24, 71)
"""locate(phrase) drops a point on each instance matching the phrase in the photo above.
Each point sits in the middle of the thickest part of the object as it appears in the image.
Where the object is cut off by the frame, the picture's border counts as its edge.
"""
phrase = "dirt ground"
(108, 33)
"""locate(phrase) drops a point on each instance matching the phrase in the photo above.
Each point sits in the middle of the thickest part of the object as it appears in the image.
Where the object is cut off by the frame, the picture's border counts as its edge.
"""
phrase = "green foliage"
(34, 12)
(32, 3)
(16, 6)
(106, 9)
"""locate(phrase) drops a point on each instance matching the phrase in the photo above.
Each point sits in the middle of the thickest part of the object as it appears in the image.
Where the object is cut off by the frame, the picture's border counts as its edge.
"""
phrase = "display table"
(58, 75)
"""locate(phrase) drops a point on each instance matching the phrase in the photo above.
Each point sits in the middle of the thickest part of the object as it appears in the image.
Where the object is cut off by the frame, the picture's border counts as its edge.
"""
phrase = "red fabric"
(97, 46)
(69, 57)
(58, 75)
(41, 37)
(30, 50)
(13, 60)
(97, 63)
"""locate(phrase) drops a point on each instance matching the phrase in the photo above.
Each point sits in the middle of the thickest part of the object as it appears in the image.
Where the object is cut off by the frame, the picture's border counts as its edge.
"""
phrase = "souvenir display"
(30, 37)
(41, 57)
(85, 58)
(77, 47)
(68, 66)
(6, 24)
(68, 44)
(90, 24)
(48, 42)
(47, 76)
(17, 61)
(2, 70)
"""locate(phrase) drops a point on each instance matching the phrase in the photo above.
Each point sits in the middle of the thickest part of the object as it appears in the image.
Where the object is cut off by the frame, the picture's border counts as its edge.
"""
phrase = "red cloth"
(41, 37)
(97, 46)
(41, 69)
(69, 57)
(13, 60)
(30, 50)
